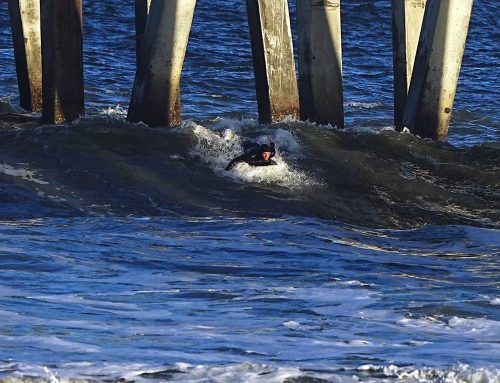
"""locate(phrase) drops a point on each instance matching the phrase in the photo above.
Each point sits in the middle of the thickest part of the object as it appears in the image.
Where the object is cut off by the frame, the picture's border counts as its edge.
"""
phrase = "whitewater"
(129, 254)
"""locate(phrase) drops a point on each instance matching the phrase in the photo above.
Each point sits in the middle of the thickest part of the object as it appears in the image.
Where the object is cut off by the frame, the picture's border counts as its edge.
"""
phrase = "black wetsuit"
(253, 155)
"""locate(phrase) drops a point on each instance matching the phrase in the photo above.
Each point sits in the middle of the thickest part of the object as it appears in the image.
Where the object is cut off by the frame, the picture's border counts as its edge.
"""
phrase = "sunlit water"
(113, 266)
(120, 297)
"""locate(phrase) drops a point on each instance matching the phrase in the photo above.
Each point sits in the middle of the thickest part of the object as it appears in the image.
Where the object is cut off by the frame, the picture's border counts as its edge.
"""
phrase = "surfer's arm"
(262, 163)
(234, 161)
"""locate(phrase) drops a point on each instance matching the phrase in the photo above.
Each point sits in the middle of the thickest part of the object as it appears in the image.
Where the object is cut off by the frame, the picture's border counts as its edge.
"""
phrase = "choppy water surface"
(365, 255)
(244, 298)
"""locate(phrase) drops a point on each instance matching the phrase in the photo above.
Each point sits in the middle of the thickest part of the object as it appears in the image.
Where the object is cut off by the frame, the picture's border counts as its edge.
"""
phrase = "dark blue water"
(218, 75)
(365, 255)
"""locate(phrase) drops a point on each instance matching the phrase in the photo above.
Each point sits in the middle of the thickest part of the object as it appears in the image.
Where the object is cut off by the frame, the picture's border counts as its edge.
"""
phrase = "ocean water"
(129, 254)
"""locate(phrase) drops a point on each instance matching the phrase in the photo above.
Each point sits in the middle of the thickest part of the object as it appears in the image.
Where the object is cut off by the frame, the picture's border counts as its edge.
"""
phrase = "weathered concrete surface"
(26, 35)
(320, 62)
(407, 16)
(141, 18)
(437, 67)
(273, 60)
(156, 94)
(62, 59)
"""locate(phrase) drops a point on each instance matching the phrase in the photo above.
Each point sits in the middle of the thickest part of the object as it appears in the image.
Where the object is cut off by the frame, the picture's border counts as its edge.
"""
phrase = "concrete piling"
(141, 18)
(62, 59)
(407, 16)
(156, 94)
(26, 36)
(273, 59)
(437, 67)
(320, 62)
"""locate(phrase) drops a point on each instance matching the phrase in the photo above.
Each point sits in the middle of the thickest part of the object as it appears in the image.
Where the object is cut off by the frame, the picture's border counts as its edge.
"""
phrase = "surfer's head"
(266, 156)
(265, 152)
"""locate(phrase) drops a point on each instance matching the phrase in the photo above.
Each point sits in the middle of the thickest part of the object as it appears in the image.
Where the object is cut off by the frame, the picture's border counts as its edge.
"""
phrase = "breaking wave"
(375, 177)
(247, 372)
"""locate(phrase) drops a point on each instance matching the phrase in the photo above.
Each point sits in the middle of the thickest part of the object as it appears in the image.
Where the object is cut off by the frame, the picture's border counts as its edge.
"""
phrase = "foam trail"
(6, 105)
(246, 372)
(364, 105)
(117, 111)
(24, 174)
(462, 373)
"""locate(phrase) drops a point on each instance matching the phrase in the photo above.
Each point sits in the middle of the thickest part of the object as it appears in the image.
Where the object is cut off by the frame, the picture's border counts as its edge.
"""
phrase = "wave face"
(373, 177)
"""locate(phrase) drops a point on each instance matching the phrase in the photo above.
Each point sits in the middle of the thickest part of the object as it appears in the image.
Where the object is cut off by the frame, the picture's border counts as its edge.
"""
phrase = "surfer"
(255, 155)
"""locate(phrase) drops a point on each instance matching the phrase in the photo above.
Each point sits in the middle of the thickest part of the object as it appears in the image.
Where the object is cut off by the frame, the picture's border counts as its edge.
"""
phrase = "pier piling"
(26, 36)
(62, 60)
(273, 60)
(320, 62)
(407, 16)
(156, 94)
(437, 67)
(141, 18)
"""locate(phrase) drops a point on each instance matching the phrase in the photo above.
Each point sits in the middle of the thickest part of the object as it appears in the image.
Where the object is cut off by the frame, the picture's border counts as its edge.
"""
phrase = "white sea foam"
(495, 301)
(117, 111)
(217, 148)
(76, 299)
(234, 124)
(293, 325)
(6, 105)
(52, 343)
(364, 105)
(368, 129)
(24, 174)
(338, 295)
(179, 373)
(476, 328)
(461, 373)
(357, 283)
(244, 372)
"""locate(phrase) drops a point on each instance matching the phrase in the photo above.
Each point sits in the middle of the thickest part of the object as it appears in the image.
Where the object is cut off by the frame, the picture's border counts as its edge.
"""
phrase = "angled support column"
(273, 60)
(437, 67)
(320, 62)
(407, 16)
(62, 59)
(26, 35)
(141, 18)
(156, 94)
